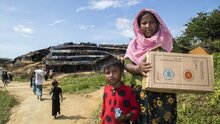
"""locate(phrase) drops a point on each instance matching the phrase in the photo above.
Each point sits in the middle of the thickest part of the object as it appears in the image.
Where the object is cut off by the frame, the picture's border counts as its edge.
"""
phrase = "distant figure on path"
(39, 76)
(5, 78)
(32, 81)
(10, 76)
(2, 77)
(56, 96)
(46, 74)
(51, 74)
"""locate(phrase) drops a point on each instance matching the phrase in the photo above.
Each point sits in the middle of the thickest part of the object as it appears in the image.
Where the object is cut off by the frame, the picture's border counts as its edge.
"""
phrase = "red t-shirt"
(122, 98)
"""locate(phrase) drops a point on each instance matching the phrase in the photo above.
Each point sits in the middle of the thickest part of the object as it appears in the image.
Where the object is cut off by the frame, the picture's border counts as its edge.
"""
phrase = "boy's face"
(113, 75)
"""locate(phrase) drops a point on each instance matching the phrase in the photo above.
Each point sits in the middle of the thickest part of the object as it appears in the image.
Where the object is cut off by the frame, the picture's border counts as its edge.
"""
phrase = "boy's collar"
(114, 89)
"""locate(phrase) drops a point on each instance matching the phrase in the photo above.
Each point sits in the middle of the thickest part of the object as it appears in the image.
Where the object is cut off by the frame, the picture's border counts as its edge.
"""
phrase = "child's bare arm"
(51, 90)
(61, 96)
(123, 118)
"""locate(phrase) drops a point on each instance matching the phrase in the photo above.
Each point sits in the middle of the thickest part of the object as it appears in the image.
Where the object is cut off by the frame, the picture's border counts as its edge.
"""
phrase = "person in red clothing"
(119, 103)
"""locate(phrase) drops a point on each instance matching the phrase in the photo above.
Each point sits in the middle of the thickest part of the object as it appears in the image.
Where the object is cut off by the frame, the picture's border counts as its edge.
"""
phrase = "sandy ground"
(75, 109)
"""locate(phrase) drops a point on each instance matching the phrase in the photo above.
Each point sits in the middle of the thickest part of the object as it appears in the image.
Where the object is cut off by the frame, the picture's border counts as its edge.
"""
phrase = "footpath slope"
(75, 109)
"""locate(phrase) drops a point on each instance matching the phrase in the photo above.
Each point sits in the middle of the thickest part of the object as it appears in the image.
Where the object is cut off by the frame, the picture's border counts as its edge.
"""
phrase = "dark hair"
(55, 82)
(142, 14)
(113, 62)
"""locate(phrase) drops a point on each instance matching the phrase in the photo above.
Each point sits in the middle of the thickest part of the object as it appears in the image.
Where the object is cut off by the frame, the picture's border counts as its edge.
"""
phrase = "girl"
(56, 95)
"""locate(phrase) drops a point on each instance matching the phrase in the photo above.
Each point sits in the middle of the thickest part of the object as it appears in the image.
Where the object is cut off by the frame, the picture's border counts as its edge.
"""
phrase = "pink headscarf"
(140, 44)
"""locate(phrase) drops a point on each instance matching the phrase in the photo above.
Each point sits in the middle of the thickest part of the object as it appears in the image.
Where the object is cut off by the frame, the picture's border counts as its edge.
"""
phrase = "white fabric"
(39, 76)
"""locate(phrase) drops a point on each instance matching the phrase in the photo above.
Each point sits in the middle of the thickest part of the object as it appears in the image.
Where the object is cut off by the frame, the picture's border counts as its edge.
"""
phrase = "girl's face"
(149, 25)
(113, 75)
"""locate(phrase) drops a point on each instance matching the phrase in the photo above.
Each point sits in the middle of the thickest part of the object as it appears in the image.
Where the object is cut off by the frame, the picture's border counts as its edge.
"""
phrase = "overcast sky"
(28, 25)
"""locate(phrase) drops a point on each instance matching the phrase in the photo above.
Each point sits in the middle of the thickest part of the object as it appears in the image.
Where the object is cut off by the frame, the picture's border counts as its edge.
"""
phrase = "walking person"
(56, 97)
(32, 81)
(5, 78)
(10, 76)
(39, 77)
(51, 74)
(46, 74)
(2, 75)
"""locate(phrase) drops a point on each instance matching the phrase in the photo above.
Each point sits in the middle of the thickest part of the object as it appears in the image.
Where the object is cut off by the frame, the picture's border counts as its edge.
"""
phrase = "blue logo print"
(168, 74)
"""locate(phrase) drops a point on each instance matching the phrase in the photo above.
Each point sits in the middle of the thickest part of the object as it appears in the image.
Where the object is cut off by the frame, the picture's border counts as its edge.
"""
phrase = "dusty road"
(75, 109)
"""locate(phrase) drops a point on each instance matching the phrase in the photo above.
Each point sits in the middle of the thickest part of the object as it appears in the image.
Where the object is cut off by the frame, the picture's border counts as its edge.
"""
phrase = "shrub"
(21, 77)
(6, 103)
(77, 83)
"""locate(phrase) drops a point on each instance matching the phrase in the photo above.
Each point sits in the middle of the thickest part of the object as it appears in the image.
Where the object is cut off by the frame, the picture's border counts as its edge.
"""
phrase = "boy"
(56, 95)
(119, 102)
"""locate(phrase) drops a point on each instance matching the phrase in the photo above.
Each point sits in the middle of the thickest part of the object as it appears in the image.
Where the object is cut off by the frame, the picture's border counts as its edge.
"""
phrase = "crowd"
(37, 76)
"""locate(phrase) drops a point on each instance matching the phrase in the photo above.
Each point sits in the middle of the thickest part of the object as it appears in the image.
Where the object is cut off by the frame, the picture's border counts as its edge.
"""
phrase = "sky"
(29, 25)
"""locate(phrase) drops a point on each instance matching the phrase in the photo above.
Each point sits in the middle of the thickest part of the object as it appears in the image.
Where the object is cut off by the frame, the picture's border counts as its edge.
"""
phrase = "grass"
(80, 83)
(6, 104)
(84, 83)
(95, 115)
(21, 77)
(199, 108)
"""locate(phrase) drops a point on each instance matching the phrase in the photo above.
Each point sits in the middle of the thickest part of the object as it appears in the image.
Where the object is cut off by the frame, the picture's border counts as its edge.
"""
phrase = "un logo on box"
(168, 74)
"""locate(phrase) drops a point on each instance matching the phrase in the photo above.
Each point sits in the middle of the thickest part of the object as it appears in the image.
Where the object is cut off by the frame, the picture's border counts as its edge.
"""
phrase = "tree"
(214, 24)
(197, 28)
(203, 28)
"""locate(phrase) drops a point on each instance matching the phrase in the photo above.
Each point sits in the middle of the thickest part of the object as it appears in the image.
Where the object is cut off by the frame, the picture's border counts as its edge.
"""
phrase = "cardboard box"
(176, 72)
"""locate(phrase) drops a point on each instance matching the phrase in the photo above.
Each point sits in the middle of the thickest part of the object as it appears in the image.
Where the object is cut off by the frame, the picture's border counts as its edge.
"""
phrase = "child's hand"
(123, 118)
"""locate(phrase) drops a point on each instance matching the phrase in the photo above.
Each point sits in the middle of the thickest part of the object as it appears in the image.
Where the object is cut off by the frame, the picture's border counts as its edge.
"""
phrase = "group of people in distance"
(36, 80)
(131, 104)
(6, 77)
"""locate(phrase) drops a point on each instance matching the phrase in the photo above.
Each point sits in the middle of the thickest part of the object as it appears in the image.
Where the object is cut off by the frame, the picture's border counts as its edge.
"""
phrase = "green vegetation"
(201, 108)
(6, 103)
(95, 115)
(77, 83)
(202, 30)
(84, 83)
(23, 77)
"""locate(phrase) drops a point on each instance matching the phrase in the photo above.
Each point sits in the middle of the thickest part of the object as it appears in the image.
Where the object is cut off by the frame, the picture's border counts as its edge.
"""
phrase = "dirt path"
(75, 109)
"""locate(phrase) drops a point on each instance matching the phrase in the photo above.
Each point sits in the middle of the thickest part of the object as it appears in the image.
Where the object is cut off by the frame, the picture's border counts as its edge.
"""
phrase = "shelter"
(71, 57)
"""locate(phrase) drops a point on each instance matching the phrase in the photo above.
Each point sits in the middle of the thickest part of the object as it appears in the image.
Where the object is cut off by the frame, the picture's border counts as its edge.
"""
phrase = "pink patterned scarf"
(140, 45)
